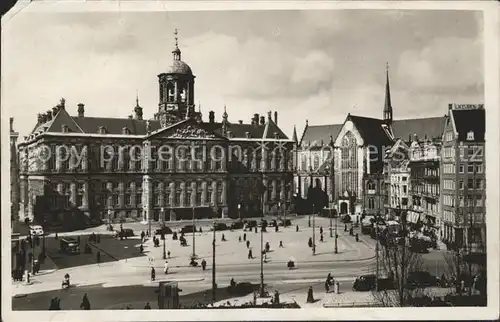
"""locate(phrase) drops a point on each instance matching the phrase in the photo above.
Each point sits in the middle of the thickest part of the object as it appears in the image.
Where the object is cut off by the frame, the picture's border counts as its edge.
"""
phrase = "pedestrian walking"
(166, 267)
(147, 306)
(297, 228)
(276, 228)
(56, 237)
(250, 255)
(310, 297)
(248, 244)
(357, 237)
(239, 239)
(256, 229)
(141, 249)
(321, 230)
(85, 305)
(223, 238)
(345, 227)
(168, 254)
(351, 231)
(143, 234)
(310, 242)
(153, 274)
(281, 244)
(244, 236)
(53, 303)
(321, 238)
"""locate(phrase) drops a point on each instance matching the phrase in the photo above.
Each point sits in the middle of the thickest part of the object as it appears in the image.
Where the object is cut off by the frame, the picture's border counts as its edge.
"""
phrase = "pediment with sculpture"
(186, 130)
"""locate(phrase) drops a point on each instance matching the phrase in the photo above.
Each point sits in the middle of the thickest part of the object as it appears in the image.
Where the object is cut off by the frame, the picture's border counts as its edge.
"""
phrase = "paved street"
(126, 273)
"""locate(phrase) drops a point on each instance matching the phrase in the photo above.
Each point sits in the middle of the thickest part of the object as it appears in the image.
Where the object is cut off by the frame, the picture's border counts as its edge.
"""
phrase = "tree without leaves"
(397, 261)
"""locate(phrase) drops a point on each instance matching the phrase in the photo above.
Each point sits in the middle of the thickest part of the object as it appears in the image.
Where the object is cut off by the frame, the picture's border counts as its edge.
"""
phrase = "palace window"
(128, 200)
(461, 185)
(470, 184)
(371, 203)
(479, 184)
(461, 169)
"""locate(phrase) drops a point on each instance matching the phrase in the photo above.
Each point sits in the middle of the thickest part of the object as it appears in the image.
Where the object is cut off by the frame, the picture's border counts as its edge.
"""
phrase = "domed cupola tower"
(176, 87)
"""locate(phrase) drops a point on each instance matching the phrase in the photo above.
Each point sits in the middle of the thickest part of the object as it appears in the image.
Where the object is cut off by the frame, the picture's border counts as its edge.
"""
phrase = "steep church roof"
(432, 127)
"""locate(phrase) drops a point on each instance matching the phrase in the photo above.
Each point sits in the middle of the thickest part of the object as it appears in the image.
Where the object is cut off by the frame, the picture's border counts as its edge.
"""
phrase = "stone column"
(85, 158)
(273, 161)
(283, 157)
(109, 201)
(163, 194)
(214, 193)
(145, 156)
(266, 194)
(57, 156)
(121, 158)
(253, 164)
(204, 193)
(109, 165)
(85, 199)
(264, 159)
(282, 190)
(121, 196)
(73, 193)
(224, 192)
(193, 194)
(274, 191)
(172, 195)
(133, 194)
(224, 158)
(183, 194)
(146, 197)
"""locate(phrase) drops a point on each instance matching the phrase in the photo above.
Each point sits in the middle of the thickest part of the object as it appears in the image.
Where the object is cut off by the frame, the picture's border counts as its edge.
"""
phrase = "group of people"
(55, 303)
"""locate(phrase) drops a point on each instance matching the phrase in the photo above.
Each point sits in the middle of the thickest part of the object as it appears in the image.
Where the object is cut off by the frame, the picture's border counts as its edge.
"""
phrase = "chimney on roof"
(276, 117)
(81, 110)
(269, 115)
(55, 110)
(240, 121)
(62, 103)
(255, 119)
(450, 106)
(39, 118)
(247, 135)
(262, 120)
(49, 115)
(211, 117)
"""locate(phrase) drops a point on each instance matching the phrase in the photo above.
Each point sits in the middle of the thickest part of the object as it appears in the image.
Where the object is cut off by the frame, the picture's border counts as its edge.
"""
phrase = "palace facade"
(175, 166)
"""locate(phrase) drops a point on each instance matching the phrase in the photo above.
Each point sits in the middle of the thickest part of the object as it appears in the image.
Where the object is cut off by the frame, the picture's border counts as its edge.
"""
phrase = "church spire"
(294, 135)
(176, 52)
(387, 105)
(137, 108)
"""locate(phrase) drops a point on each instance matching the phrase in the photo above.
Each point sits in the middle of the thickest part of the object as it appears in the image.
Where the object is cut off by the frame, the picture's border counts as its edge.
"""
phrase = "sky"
(314, 65)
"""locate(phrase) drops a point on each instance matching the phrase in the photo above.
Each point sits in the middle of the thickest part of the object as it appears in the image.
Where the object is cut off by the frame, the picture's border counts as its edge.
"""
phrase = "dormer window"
(102, 130)
(125, 130)
(470, 136)
(64, 128)
(247, 135)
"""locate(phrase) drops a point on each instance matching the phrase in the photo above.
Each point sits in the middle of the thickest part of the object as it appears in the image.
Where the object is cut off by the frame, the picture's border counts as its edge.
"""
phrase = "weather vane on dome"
(176, 38)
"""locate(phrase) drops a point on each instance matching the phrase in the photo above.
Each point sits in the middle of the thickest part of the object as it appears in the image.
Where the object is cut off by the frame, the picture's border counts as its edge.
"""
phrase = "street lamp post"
(163, 233)
(239, 211)
(194, 234)
(109, 218)
(214, 285)
(261, 245)
(314, 232)
(336, 236)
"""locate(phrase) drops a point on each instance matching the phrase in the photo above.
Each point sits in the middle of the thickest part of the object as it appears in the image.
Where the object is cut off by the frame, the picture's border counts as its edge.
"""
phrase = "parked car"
(288, 222)
(421, 279)
(250, 224)
(367, 283)
(124, 233)
(36, 230)
(219, 227)
(237, 225)
(188, 229)
(346, 219)
(69, 246)
(164, 230)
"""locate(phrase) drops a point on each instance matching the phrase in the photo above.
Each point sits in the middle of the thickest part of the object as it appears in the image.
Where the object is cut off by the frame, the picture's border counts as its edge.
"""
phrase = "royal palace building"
(174, 166)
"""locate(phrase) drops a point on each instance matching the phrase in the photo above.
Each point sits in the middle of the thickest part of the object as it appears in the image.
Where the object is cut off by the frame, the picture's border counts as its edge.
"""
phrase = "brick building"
(463, 178)
(82, 168)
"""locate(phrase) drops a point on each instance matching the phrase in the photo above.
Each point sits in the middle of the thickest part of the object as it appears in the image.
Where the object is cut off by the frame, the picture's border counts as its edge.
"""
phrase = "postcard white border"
(492, 99)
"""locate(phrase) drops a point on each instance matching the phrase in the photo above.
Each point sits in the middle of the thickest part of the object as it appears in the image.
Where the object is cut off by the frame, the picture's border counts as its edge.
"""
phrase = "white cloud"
(443, 63)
